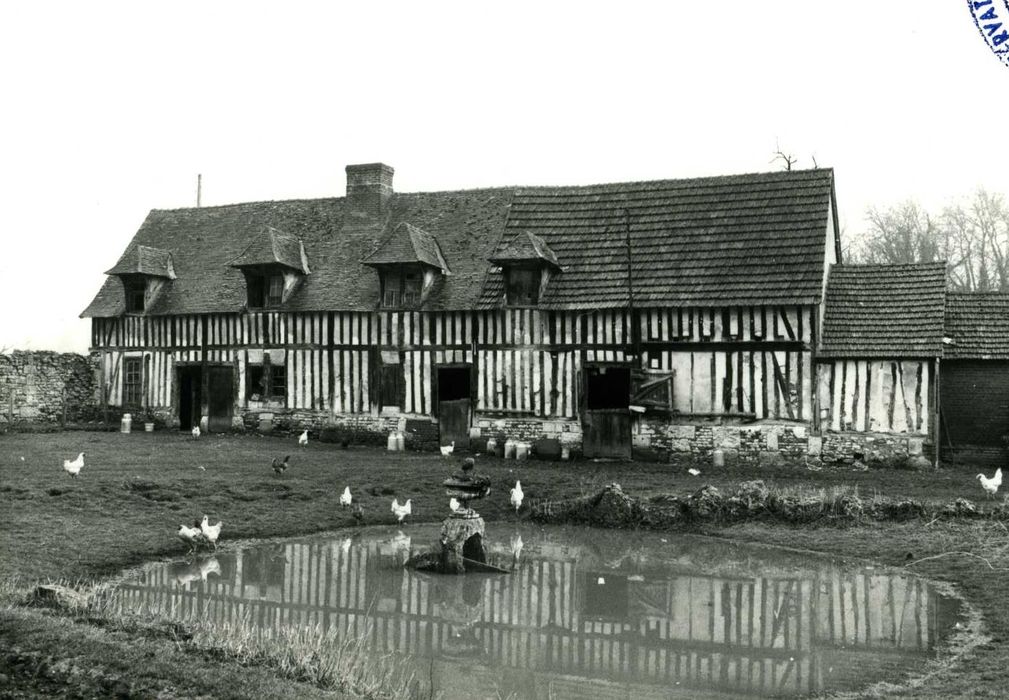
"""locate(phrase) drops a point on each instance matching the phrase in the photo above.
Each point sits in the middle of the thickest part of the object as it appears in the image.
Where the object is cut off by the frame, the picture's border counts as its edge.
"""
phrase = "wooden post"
(935, 414)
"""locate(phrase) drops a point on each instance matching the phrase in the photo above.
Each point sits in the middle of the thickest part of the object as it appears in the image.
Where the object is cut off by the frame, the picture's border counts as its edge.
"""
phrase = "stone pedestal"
(462, 535)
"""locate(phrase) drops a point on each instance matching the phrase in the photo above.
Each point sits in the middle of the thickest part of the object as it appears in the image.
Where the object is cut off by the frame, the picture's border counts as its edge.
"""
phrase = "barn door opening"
(221, 398)
(606, 418)
(190, 396)
(454, 405)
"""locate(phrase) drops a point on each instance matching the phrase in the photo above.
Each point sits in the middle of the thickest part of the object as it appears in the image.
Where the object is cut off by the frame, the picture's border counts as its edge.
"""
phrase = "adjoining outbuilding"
(878, 362)
(975, 377)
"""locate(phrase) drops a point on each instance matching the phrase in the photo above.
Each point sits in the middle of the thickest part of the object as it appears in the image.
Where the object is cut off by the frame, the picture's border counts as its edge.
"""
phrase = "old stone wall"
(658, 438)
(37, 385)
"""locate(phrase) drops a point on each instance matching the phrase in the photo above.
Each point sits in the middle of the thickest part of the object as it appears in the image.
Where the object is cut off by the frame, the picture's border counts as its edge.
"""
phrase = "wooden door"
(221, 397)
(606, 418)
(454, 405)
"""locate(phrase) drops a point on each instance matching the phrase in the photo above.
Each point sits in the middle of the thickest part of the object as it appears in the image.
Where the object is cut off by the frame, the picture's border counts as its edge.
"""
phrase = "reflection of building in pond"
(573, 627)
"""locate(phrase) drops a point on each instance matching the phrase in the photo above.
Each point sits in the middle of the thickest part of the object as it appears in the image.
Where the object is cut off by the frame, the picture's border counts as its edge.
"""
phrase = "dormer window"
(402, 287)
(144, 272)
(265, 290)
(274, 263)
(408, 262)
(522, 286)
(527, 263)
(135, 288)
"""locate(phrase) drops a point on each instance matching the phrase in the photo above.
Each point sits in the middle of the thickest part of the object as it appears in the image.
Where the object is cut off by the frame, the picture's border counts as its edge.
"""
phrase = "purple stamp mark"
(992, 20)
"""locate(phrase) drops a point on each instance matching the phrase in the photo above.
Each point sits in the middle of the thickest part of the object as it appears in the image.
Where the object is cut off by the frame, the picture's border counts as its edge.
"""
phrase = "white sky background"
(110, 110)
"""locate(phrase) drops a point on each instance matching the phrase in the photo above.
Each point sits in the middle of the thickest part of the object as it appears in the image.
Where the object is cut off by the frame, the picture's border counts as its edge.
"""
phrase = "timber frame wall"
(878, 395)
(749, 361)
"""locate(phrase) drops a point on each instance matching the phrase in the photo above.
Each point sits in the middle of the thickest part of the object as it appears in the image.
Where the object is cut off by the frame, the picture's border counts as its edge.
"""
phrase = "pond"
(585, 613)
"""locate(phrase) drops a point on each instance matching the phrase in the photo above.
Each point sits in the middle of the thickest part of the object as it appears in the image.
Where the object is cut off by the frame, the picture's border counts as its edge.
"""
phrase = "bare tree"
(787, 158)
(972, 236)
(901, 234)
(979, 232)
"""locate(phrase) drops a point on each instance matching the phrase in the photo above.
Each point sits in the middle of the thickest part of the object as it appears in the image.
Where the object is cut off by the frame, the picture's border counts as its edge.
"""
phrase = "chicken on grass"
(211, 532)
(517, 496)
(991, 484)
(401, 511)
(280, 467)
(73, 468)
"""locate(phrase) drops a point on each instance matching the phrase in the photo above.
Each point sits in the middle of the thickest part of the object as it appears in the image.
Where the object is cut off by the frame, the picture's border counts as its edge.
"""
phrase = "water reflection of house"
(573, 628)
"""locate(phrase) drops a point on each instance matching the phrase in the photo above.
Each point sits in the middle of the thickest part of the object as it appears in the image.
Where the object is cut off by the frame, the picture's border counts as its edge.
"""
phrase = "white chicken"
(694, 472)
(74, 468)
(990, 485)
(211, 532)
(191, 536)
(453, 504)
(345, 498)
(401, 511)
(196, 432)
(516, 547)
(517, 495)
(447, 450)
(303, 439)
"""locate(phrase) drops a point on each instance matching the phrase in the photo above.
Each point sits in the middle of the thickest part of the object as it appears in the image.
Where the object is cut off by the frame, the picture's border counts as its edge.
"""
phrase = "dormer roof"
(525, 247)
(272, 246)
(408, 244)
(144, 260)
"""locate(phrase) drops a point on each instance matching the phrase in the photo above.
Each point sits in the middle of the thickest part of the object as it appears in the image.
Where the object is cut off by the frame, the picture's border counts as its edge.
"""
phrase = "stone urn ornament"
(461, 545)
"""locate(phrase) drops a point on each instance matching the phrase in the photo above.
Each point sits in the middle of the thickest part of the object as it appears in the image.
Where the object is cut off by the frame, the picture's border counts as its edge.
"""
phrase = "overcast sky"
(110, 110)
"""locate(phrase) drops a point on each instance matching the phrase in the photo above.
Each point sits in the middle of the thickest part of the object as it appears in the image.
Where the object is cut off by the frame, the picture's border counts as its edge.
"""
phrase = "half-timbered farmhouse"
(675, 315)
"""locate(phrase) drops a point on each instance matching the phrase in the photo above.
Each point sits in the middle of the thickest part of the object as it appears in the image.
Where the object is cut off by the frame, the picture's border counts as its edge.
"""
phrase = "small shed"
(975, 375)
(882, 339)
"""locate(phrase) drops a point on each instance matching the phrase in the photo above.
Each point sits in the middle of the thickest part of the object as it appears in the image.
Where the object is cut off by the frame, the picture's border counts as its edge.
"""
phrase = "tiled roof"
(144, 260)
(738, 239)
(408, 244)
(525, 247)
(977, 325)
(884, 311)
(204, 241)
(273, 247)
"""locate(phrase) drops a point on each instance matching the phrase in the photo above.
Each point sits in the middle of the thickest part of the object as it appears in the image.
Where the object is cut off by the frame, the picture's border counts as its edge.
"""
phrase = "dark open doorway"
(454, 405)
(220, 397)
(606, 420)
(190, 396)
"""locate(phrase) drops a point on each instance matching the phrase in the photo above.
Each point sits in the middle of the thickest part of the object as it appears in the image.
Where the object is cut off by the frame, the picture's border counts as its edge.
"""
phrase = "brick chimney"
(369, 187)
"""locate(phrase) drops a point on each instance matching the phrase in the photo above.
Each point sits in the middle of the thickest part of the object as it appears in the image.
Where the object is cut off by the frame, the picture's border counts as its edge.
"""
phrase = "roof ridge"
(781, 175)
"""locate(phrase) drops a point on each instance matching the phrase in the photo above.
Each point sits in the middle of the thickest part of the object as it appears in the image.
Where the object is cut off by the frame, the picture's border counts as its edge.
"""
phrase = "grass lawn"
(136, 489)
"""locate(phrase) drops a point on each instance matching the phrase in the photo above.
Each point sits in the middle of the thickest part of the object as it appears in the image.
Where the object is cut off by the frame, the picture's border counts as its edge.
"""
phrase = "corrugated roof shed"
(739, 239)
(977, 325)
(884, 311)
(273, 247)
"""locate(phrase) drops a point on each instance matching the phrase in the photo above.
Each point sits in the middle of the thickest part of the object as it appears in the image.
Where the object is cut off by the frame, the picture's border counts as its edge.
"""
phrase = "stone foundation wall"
(750, 443)
(876, 449)
(41, 383)
(660, 439)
